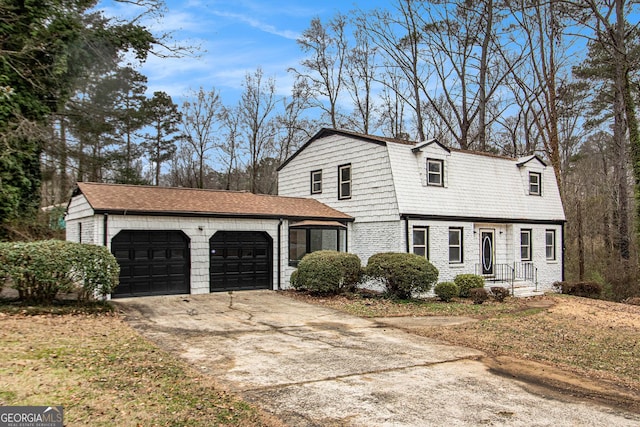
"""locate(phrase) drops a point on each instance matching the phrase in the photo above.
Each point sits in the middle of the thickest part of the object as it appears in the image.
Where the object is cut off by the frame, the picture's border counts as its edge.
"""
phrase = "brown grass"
(105, 374)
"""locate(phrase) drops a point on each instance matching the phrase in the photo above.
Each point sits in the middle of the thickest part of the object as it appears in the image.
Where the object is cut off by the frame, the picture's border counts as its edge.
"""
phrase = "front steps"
(521, 288)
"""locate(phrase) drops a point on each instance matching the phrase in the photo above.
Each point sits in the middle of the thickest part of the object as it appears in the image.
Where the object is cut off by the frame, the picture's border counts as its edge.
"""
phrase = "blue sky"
(235, 37)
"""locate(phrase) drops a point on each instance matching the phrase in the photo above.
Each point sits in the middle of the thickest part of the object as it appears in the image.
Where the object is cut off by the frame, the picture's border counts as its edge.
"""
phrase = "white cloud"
(267, 28)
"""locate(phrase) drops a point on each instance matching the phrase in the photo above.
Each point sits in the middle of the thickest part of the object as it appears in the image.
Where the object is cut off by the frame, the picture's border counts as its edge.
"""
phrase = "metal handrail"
(526, 271)
(509, 273)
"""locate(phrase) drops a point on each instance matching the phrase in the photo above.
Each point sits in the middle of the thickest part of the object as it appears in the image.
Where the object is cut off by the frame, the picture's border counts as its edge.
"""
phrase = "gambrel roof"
(477, 186)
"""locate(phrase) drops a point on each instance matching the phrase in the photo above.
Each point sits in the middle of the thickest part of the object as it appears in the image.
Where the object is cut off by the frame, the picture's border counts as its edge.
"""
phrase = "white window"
(455, 245)
(435, 170)
(316, 182)
(525, 245)
(344, 182)
(550, 244)
(421, 241)
(535, 184)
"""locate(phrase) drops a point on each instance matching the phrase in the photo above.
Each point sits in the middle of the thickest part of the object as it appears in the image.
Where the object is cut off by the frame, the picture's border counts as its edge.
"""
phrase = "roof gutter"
(221, 215)
(483, 219)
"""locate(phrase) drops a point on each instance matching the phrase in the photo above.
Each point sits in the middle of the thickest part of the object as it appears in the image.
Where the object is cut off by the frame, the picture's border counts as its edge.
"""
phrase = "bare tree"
(540, 29)
(467, 53)
(401, 52)
(323, 68)
(256, 110)
(200, 125)
(292, 127)
(360, 71)
(229, 146)
(391, 110)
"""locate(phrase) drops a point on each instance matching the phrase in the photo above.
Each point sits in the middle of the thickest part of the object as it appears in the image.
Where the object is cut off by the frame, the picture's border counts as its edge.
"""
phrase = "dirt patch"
(539, 375)
(409, 323)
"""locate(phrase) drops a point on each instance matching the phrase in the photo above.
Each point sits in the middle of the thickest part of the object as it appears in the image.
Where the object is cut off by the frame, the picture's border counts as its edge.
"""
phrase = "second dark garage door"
(240, 260)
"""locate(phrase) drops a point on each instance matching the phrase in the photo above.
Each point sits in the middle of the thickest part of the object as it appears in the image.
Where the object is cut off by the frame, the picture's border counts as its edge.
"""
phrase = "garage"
(240, 260)
(171, 240)
(152, 262)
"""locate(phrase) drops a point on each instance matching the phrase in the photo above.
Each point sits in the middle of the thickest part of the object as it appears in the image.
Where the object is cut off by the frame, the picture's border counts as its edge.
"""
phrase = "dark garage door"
(152, 263)
(240, 260)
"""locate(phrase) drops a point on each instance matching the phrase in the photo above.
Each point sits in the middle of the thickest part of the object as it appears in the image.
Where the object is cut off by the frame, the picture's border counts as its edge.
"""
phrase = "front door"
(486, 251)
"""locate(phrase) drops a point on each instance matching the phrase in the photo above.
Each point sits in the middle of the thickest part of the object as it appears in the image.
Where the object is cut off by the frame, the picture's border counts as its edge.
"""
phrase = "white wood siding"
(372, 190)
(81, 223)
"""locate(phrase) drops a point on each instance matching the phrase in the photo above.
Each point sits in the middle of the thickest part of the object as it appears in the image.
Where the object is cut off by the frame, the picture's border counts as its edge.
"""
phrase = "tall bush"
(328, 272)
(402, 274)
(466, 282)
(40, 270)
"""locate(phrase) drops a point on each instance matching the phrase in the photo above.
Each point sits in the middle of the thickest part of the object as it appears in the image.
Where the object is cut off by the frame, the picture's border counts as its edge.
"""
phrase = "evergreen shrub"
(327, 272)
(402, 273)
(466, 282)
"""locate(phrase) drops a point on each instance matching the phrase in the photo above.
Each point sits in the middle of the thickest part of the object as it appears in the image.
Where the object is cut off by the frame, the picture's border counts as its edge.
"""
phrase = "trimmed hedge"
(466, 282)
(402, 273)
(446, 291)
(40, 270)
(327, 272)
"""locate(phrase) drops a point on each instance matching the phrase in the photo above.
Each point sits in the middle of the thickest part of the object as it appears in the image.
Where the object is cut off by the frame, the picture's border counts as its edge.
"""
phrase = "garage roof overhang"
(317, 224)
(338, 220)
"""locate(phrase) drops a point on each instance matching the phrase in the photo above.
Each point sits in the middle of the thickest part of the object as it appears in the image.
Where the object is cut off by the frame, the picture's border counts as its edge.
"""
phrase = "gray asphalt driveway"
(313, 366)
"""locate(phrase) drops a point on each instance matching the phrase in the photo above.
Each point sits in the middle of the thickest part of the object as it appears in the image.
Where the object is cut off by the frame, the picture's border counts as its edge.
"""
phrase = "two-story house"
(467, 212)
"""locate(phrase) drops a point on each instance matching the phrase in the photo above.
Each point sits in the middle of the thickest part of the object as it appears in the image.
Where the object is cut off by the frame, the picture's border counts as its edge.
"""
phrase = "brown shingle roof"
(140, 199)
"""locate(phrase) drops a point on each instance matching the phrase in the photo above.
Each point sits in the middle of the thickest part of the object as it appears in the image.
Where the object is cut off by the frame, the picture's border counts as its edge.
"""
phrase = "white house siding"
(548, 271)
(479, 192)
(81, 223)
(506, 248)
(370, 238)
(199, 239)
(372, 192)
(79, 211)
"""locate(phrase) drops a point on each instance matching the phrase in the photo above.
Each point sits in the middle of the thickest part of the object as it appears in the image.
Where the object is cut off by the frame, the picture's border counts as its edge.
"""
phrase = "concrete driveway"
(313, 366)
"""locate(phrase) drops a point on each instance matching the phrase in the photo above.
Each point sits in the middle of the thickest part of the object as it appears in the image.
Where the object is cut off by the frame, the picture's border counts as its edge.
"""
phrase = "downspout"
(406, 232)
(279, 268)
(105, 221)
(563, 248)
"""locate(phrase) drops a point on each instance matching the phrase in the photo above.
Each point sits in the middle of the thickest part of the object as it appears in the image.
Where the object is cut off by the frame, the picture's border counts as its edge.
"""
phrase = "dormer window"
(435, 169)
(535, 184)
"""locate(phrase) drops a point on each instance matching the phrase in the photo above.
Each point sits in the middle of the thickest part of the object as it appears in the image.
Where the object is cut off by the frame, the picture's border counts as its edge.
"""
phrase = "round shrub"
(327, 272)
(466, 282)
(402, 273)
(478, 295)
(499, 293)
(446, 291)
